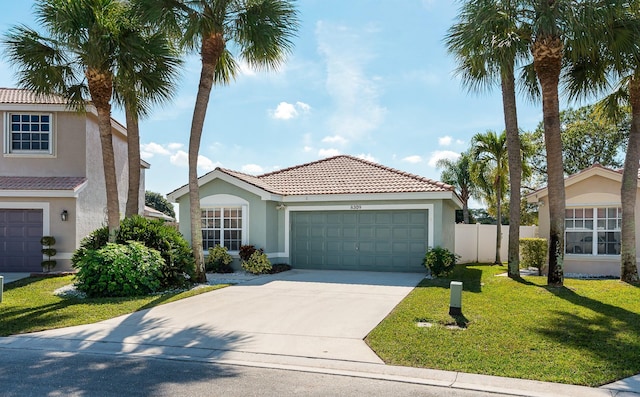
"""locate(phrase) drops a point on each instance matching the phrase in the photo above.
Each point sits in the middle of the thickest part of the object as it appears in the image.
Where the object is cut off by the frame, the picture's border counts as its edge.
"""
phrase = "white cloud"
(367, 157)
(346, 52)
(253, 169)
(459, 142)
(174, 146)
(286, 111)
(442, 154)
(148, 150)
(328, 152)
(335, 139)
(245, 69)
(415, 159)
(307, 149)
(445, 140)
(181, 159)
(303, 106)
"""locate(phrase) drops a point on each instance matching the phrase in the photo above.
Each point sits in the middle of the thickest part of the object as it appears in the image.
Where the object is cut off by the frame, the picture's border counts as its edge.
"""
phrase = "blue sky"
(367, 78)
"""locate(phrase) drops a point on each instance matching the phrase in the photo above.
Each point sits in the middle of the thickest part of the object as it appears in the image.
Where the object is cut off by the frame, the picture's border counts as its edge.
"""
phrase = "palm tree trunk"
(465, 212)
(628, 191)
(515, 168)
(100, 87)
(547, 61)
(498, 221)
(212, 49)
(133, 150)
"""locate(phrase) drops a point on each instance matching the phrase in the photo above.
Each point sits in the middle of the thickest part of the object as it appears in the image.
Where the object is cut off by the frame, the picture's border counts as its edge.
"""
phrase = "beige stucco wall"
(68, 142)
(594, 191)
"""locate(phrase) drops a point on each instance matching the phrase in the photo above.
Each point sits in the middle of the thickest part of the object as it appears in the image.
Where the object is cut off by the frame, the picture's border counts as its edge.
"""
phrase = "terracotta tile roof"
(341, 175)
(40, 183)
(22, 96)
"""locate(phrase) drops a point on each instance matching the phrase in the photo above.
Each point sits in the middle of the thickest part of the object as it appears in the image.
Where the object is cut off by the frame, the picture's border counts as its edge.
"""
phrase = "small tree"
(440, 261)
(48, 242)
(159, 202)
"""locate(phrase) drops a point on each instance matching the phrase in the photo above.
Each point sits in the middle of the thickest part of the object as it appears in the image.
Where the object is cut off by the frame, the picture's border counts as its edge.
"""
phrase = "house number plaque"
(356, 207)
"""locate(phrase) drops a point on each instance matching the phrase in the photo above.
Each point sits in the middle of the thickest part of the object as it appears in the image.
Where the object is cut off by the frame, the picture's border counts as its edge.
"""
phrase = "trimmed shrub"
(179, 264)
(49, 242)
(533, 253)
(440, 261)
(258, 263)
(219, 260)
(129, 269)
(246, 251)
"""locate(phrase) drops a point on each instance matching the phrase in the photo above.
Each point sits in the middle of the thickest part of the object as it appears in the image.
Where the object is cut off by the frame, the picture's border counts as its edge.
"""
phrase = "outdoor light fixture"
(64, 215)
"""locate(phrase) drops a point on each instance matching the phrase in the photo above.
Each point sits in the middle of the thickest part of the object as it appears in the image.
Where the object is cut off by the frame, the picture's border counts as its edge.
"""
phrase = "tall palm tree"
(458, 173)
(77, 59)
(261, 31)
(616, 63)
(487, 42)
(491, 172)
(141, 82)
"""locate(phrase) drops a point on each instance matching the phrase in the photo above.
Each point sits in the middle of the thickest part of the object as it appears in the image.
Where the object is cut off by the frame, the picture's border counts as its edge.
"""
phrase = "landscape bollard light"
(1, 287)
(455, 301)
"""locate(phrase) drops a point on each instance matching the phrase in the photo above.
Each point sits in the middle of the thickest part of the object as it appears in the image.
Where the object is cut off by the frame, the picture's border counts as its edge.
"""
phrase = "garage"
(381, 240)
(20, 234)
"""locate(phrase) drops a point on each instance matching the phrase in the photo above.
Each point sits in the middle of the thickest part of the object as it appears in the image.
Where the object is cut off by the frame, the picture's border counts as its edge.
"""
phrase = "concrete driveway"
(299, 313)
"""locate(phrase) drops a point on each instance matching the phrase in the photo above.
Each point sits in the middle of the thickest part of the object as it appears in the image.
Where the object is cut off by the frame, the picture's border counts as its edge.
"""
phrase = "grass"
(29, 305)
(585, 333)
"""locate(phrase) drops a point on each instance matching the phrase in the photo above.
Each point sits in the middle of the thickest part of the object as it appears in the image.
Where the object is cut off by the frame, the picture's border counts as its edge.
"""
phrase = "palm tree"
(491, 172)
(458, 173)
(77, 59)
(616, 62)
(261, 30)
(487, 43)
(142, 81)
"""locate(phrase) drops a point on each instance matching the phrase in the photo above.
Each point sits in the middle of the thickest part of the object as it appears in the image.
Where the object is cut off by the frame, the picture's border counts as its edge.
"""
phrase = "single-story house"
(337, 213)
(593, 219)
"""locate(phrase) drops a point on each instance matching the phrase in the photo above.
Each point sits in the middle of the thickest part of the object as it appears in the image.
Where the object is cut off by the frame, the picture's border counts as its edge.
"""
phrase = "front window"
(593, 231)
(222, 226)
(29, 133)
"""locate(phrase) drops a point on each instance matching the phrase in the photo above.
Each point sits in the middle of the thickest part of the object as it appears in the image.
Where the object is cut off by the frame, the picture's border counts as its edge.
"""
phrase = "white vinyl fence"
(477, 243)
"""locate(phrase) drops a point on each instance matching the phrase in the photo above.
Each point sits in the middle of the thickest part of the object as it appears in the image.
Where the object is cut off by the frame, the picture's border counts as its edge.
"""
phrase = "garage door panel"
(393, 240)
(20, 233)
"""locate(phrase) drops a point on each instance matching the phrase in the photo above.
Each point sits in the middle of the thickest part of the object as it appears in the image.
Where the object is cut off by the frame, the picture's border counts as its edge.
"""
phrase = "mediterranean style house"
(51, 178)
(592, 220)
(337, 213)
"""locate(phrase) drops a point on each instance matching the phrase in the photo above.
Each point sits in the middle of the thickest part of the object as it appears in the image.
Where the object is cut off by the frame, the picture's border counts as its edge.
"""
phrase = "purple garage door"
(20, 234)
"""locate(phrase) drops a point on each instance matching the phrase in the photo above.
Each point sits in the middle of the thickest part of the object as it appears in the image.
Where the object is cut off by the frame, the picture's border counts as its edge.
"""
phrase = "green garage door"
(359, 240)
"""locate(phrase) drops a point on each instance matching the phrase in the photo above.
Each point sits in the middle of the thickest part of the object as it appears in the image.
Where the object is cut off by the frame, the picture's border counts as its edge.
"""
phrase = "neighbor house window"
(29, 133)
(593, 231)
(222, 226)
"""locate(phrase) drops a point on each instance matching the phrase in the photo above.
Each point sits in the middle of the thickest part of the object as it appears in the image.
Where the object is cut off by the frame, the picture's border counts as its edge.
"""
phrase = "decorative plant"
(440, 261)
(48, 242)
(246, 251)
(258, 263)
(533, 252)
(219, 260)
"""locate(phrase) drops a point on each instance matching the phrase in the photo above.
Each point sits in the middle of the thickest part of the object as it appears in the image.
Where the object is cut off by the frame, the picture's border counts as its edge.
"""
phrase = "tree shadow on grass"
(612, 334)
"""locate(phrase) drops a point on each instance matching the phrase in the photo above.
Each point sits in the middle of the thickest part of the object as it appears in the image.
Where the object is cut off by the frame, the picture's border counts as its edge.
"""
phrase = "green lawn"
(586, 333)
(29, 305)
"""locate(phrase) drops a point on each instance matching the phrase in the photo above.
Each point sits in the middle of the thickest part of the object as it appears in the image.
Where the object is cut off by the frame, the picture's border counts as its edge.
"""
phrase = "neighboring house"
(51, 178)
(592, 221)
(338, 213)
(154, 214)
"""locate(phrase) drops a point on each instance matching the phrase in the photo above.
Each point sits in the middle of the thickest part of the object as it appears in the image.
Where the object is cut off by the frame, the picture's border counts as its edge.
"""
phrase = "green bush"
(258, 263)
(440, 261)
(129, 269)
(533, 253)
(219, 260)
(246, 251)
(179, 264)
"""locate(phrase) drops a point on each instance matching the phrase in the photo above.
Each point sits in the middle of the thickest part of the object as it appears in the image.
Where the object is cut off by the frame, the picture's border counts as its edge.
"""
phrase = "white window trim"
(362, 207)
(8, 152)
(228, 201)
(594, 231)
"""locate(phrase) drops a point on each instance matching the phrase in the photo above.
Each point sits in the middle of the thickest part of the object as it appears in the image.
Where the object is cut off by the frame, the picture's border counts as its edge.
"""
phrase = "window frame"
(589, 227)
(242, 214)
(8, 138)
